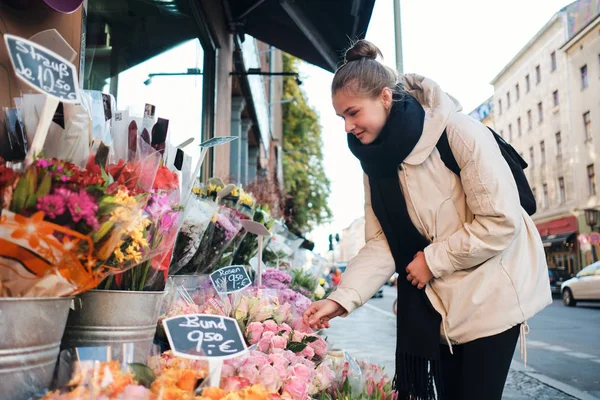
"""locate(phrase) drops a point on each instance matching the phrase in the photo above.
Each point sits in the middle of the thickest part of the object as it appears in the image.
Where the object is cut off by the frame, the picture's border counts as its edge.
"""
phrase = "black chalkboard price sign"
(201, 336)
(230, 279)
(43, 69)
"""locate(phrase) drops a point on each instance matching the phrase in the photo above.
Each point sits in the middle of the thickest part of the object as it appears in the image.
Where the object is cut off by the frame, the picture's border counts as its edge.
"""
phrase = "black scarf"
(418, 324)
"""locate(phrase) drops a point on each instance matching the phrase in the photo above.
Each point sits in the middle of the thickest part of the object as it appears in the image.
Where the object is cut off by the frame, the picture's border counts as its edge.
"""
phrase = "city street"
(563, 358)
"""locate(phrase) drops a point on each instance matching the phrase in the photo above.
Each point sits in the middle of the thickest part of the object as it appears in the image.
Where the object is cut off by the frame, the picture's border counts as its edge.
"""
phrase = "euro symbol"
(225, 347)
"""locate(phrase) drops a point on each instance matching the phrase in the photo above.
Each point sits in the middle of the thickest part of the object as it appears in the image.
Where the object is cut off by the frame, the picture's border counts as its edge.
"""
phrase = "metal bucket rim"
(16, 299)
(124, 292)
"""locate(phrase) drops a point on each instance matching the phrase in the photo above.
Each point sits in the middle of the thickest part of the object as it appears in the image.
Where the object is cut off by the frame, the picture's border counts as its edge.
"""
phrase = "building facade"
(352, 239)
(540, 111)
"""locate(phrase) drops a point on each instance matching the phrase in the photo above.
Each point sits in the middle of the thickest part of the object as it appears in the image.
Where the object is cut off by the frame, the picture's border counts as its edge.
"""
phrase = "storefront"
(559, 237)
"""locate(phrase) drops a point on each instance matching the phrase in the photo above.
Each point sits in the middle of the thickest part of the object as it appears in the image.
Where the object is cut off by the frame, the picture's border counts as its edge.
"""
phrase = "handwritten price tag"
(230, 279)
(200, 336)
(42, 69)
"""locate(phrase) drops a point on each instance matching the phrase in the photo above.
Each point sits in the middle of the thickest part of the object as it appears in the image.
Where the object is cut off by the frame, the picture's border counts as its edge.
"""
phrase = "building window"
(561, 190)
(507, 100)
(555, 98)
(510, 136)
(538, 75)
(553, 61)
(558, 144)
(591, 174)
(545, 195)
(529, 120)
(527, 83)
(531, 157)
(500, 106)
(517, 92)
(519, 128)
(540, 112)
(543, 152)
(587, 125)
(584, 77)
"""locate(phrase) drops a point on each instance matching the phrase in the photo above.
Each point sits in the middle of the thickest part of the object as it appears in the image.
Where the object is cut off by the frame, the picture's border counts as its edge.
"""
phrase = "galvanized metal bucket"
(113, 318)
(30, 332)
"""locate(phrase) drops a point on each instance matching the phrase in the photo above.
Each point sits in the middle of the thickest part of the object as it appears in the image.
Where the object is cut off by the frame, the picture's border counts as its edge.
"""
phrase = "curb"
(551, 382)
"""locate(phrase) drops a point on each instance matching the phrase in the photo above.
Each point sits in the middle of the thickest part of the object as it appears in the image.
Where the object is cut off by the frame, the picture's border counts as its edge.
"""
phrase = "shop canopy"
(558, 239)
(315, 31)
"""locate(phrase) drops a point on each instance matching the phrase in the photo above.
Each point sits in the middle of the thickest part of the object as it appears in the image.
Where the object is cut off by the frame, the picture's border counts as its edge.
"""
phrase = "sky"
(460, 44)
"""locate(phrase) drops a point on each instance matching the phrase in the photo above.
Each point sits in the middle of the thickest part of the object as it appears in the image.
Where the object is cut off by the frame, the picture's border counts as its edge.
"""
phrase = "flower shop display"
(60, 225)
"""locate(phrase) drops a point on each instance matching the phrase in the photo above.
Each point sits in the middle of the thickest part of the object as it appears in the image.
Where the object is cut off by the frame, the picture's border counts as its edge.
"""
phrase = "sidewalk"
(369, 334)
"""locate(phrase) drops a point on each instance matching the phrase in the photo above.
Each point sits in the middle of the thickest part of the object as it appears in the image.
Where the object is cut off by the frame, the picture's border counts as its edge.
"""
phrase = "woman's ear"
(386, 97)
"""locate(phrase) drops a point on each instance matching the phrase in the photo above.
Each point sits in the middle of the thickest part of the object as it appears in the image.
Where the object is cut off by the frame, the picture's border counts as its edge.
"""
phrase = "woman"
(471, 262)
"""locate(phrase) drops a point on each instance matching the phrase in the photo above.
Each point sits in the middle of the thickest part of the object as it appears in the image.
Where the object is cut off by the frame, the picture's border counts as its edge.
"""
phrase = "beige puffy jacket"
(486, 254)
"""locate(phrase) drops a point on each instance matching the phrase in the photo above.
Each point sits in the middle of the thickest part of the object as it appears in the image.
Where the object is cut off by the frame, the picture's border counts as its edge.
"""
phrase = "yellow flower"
(212, 188)
(133, 254)
(121, 214)
(197, 190)
(124, 199)
(246, 200)
(235, 192)
(119, 256)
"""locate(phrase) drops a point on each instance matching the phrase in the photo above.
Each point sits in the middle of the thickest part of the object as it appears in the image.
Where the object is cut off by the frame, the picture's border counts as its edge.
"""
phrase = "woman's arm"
(370, 268)
(491, 194)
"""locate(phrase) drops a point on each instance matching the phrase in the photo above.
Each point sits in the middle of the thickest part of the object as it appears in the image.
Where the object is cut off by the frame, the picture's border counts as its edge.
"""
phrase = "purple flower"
(83, 206)
(52, 205)
(168, 220)
(158, 205)
(42, 163)
(226, 224)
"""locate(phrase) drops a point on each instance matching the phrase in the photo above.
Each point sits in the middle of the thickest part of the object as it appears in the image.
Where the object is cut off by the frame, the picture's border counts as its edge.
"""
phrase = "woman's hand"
(417, 272)
(319, 313)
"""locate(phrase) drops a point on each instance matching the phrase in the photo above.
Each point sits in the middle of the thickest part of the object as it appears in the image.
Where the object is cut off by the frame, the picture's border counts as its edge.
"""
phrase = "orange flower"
(32, 229)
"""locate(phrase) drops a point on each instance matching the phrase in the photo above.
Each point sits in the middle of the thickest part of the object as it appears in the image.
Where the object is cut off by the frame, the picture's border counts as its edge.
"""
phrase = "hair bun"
(363, 49)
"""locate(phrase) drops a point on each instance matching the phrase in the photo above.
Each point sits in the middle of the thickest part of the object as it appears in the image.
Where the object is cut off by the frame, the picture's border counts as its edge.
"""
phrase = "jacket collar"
(439, 107)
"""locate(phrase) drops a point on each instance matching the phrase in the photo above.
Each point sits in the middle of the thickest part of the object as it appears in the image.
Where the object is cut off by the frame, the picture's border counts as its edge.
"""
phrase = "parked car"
(557, 277)
(585, 286)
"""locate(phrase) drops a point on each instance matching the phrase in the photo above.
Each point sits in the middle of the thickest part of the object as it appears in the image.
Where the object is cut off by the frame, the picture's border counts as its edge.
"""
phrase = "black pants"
(477, 370)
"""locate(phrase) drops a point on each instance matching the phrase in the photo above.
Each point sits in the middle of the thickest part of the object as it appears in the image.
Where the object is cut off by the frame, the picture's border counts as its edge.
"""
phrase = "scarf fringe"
(417, 378)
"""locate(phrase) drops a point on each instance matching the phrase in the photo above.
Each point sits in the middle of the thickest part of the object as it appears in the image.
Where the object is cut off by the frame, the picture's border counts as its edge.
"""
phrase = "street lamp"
(591, 218)
(190, 71)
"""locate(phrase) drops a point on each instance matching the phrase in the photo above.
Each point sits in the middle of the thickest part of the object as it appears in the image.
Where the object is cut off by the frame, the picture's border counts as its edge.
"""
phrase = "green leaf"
(19, 196)
(104, 229)
(296, 347)
(309, 339)
(142, 374)
(31, 182)
(45, 186)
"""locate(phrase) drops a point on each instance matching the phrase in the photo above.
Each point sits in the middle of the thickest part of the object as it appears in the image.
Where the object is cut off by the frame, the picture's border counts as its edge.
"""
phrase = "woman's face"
(364, 116)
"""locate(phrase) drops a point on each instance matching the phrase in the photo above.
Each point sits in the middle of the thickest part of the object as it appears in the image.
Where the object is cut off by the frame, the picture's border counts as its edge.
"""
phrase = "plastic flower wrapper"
(259, 305)
(218, 236)
(60, 224)
(357, 380)
(151, 246)
(197, 216)
(270, 337)
(283, 372)
(227, 258)
(248, 248)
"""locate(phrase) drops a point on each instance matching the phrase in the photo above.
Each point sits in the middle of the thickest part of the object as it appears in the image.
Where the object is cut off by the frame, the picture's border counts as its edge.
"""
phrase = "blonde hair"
(363, 74)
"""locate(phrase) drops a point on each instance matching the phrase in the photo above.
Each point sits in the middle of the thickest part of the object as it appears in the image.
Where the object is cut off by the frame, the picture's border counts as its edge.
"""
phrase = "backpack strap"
(443, 146)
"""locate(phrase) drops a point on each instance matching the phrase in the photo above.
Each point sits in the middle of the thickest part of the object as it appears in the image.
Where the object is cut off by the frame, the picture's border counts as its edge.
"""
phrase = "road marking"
(379, 310)
(558, 348)
(581, 355)
(536, 343)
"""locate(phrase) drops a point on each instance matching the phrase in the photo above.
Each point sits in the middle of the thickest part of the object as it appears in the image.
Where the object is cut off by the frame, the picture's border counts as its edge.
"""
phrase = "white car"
(585, 286)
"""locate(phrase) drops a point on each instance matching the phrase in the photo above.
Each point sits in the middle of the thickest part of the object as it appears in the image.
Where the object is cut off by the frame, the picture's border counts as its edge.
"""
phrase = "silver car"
(585, 286)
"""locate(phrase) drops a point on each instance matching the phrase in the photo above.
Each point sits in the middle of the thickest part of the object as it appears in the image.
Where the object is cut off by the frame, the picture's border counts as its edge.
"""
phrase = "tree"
(306, 184)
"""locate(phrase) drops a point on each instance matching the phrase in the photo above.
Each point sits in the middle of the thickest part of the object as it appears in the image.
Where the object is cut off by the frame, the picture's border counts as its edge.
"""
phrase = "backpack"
(514, 160)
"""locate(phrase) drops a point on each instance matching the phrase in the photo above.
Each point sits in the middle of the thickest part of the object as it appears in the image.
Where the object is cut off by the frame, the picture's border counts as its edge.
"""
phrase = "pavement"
(369, 334)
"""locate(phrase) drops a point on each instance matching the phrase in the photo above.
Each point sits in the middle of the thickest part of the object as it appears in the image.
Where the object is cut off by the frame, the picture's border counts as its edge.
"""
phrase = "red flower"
(165, 179)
